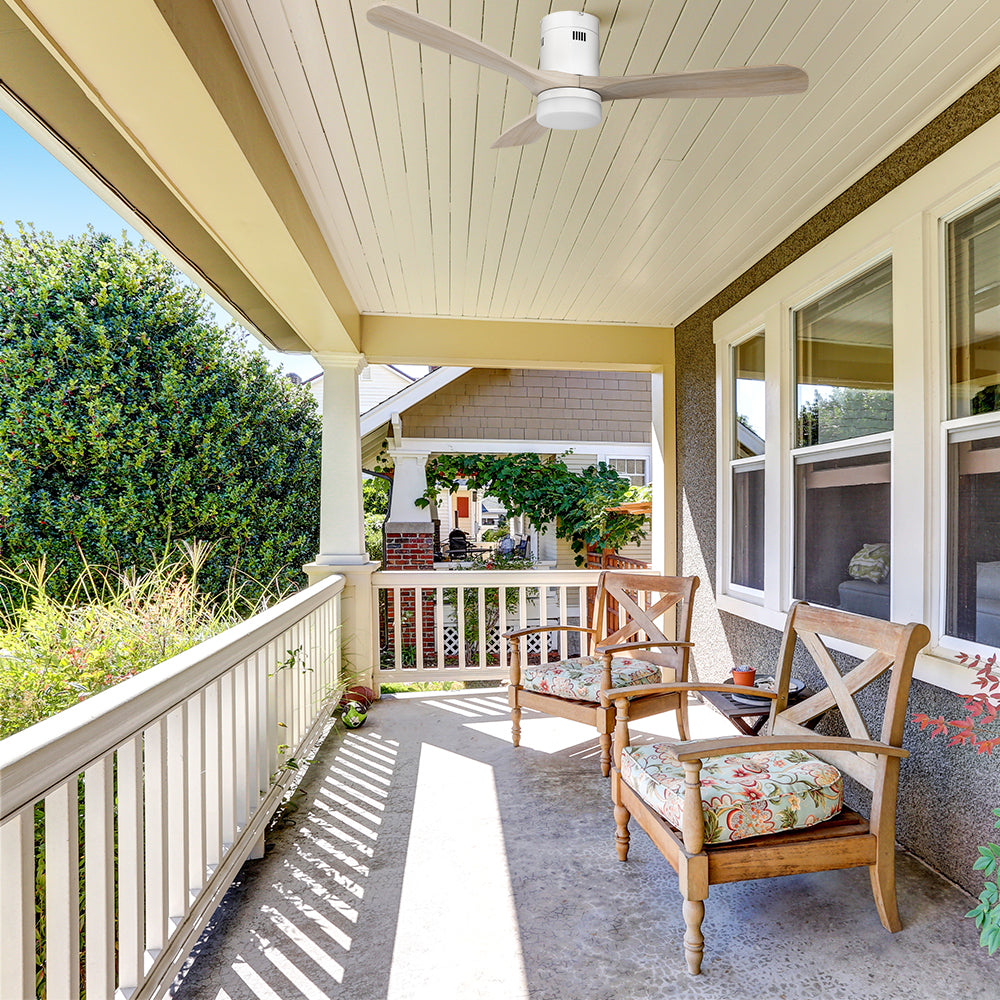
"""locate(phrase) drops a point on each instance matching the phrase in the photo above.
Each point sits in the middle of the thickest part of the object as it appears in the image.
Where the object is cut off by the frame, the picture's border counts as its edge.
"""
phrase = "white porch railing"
(446, 626)
(173, 776)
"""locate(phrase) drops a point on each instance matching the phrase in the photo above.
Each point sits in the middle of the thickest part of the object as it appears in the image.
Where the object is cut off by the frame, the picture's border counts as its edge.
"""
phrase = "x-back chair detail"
(740, 808)
(647, 607)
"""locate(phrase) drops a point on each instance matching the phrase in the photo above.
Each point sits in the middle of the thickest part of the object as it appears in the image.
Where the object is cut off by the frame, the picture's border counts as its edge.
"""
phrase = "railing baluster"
(461, 627)
(155, 798)
(522, 622)
(17, 945)
(439, 626)
(177, 810)
(563, 635)
(481, 607)
(131, 849)
(228, 770)
(397, 626)
(99, 877)
(213, 776)
(543, 619)
(418, 604)
(197, 866)
(62, 892)
(301, 673)
(502, 627)
(240, 743)
(263, 715)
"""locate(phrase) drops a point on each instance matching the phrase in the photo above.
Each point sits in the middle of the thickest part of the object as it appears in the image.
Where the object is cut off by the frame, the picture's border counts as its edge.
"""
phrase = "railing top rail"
(492, 578)
(39, 758)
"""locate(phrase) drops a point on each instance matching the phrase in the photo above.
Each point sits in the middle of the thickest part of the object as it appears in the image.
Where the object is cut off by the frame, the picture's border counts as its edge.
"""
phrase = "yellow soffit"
(491, 343)
(124, 56)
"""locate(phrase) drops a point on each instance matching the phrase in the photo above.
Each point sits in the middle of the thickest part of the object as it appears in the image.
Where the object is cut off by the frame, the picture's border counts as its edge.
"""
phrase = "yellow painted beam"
(151, 97)
(488, 343)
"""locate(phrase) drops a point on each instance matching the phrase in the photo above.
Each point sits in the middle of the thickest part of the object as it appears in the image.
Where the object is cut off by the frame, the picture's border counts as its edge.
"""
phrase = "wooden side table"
(748, 719)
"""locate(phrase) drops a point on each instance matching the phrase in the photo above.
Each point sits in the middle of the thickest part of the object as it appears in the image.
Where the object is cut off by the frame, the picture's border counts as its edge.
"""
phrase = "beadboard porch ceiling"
(639, 220)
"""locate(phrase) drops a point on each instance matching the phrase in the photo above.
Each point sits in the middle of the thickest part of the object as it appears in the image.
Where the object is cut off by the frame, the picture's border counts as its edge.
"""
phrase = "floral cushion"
(744, 795)
(580, 678)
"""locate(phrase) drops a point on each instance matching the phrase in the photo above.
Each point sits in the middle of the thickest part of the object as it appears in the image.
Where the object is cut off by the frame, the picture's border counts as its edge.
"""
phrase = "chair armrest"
(637, 690)
(550, 628)
(702, 749)
(599, 648)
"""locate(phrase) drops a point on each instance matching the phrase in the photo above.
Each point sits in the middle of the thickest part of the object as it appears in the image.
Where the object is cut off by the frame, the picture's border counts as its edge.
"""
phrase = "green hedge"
(130, 420)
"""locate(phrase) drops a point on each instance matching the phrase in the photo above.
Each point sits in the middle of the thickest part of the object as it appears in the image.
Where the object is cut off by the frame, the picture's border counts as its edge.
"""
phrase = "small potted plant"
(744, 676)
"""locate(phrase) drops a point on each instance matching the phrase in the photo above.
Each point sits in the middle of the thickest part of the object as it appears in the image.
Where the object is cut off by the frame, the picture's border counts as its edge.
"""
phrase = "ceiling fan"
(567, 86)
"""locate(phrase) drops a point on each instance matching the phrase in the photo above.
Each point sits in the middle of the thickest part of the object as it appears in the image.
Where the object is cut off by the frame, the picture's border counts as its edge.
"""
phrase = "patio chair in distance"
(740, 808)
(572, 688)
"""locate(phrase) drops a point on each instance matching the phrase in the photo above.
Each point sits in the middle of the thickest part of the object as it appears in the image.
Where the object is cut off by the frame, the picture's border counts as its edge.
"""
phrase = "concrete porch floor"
(429, 859)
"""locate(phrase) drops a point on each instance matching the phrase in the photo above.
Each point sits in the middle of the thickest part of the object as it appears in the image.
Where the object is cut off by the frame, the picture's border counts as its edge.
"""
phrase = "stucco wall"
(946, 794)
(537, 405)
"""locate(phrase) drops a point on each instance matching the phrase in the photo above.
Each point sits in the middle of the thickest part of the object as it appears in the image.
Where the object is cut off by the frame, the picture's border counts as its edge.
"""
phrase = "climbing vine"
(547, 491)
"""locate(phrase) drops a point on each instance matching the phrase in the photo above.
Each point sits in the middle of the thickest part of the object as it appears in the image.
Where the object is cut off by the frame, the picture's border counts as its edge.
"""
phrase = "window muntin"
(972, 594)
(843, 361)
(974, 312)
(843, 504)
(632, 469)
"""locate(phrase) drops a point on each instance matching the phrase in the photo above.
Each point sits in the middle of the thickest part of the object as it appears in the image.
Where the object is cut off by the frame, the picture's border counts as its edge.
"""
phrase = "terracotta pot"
(744, 677)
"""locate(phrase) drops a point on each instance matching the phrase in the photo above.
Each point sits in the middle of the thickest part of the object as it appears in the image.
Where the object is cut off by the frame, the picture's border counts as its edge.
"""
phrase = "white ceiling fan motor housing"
(570, 44)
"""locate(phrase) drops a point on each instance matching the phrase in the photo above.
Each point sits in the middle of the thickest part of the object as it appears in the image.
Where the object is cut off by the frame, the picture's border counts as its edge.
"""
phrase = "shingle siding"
(537, 405)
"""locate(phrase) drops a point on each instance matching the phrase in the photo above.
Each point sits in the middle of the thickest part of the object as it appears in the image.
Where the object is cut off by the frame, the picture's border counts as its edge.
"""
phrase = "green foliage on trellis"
(130, 420)
(547, 491)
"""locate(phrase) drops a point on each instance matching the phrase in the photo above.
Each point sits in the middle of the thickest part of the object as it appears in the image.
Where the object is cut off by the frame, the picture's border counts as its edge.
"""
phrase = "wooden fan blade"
(521, 134)
(419, 29)
(751, 81)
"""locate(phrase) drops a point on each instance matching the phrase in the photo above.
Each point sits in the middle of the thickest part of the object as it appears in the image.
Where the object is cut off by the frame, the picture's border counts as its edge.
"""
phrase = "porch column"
(409, 545)
(341, 519)
(409, 482)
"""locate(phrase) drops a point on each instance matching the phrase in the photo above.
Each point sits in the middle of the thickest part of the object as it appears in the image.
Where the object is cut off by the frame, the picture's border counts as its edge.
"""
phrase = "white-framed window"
(881, 466)
(635, 470)
(971, 432)
(842, 464)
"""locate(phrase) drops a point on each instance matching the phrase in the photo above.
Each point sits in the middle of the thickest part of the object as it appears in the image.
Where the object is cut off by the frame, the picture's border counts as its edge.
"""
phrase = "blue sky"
(36, 188)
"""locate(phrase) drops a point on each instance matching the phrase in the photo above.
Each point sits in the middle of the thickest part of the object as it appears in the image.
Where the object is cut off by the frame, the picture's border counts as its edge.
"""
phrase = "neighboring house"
(596, 416)
(376, 383)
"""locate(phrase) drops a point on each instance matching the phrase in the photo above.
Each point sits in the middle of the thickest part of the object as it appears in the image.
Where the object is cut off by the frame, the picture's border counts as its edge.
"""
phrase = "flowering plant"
(981, 709)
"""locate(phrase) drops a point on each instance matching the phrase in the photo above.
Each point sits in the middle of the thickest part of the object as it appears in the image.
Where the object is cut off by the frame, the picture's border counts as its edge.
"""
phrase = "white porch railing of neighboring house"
(447, 625)
(172, 776)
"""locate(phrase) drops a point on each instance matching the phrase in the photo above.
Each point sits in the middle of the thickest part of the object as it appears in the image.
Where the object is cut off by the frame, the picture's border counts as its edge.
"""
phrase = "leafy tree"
(844, 413)
(375, 499)
(129, 419)
(577, 503)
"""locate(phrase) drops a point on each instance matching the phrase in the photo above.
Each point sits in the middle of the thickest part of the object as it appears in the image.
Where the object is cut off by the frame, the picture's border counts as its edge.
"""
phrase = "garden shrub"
(130, 419)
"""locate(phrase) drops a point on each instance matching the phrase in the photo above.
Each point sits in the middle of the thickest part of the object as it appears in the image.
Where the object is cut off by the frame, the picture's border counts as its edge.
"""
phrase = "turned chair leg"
(622, 816)
(883, 876)
(605, 740)
(515, 725)
(694, 942)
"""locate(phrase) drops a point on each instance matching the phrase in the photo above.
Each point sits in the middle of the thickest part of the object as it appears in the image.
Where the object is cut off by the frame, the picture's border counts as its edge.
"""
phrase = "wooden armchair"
(733, 809)
(572, 688)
